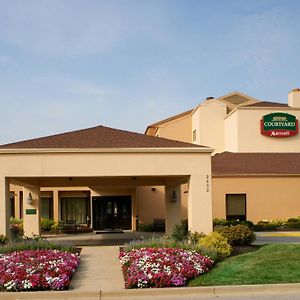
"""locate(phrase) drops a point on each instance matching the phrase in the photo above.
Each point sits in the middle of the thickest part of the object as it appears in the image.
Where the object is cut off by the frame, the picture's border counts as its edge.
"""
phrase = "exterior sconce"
(174, 198)
(29, 199)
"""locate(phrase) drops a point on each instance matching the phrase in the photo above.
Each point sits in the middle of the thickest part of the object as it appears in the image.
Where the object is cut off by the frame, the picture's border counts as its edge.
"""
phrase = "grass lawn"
(277, 263)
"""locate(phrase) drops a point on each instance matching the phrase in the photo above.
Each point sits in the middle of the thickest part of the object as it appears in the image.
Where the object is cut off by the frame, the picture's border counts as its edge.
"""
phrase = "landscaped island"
(31, 264)
(43, 269)
(173, 261)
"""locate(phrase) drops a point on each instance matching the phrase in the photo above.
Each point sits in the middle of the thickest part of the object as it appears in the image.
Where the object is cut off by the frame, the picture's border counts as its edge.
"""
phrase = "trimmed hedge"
(237, 234)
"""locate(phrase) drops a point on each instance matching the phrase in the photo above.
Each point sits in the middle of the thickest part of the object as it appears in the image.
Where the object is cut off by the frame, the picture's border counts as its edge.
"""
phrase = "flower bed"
(37, 270)
(162, 267)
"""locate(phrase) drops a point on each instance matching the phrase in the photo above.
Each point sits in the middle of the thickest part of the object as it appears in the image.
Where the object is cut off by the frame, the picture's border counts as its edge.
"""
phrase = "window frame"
(226, 205)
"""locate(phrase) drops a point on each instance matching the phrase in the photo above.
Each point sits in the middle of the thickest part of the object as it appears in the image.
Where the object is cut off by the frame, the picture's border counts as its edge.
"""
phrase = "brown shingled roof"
(171, 118)
(228, 163)
(98, 137)
(267, 104)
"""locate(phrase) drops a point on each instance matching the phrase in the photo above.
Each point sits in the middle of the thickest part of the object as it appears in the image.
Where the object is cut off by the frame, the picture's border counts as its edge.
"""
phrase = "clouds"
(59, 27)
(62, 27)
(6, 61)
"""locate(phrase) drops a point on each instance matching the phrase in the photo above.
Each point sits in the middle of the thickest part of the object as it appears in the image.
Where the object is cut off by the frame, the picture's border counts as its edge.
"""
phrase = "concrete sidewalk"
(99, 270)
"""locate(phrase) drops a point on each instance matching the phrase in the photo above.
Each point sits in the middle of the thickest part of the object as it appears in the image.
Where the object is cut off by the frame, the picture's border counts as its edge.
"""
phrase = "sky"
(67, 65)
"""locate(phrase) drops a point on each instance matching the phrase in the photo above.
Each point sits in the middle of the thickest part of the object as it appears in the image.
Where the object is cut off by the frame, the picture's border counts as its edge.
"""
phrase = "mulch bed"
(237, 250)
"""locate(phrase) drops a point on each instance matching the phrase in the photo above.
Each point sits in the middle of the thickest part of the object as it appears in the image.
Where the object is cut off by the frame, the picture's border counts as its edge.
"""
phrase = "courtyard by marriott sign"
(279, 125)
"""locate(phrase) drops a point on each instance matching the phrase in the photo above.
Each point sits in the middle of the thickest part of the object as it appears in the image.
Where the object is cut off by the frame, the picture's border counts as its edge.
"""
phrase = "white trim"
(106, 150)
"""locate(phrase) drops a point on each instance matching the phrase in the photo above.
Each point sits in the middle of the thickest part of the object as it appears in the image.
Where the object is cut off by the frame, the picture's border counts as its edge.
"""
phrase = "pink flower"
(37, 270)
(162, 267)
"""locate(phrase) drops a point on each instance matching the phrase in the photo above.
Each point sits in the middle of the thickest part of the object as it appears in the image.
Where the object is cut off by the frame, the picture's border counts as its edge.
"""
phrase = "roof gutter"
(107, 150)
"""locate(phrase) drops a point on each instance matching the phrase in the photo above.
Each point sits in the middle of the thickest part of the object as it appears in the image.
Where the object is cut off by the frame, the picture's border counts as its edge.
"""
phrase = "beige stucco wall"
(150, 203)
(208, 123)
(266, 197)
(249, 138)
(179, 129)
(231, 131)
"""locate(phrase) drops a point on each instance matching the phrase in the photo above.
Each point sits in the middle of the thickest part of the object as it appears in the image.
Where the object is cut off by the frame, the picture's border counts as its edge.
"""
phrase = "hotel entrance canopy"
(113, 158)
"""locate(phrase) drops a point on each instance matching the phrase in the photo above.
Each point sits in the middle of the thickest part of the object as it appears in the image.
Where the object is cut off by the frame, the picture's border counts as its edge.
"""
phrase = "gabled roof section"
(98, 137)
(267, 104)
(235, 164)
(186, 113)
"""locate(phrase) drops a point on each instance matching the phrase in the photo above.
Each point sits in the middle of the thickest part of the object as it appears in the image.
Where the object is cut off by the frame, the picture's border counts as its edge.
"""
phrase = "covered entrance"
(101, 159)
(112, 212)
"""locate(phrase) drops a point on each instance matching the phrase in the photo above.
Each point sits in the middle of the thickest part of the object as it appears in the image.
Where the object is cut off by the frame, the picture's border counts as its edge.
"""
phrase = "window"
(47, 207)
(75, 209)
(236, 207)
(12, 204)
(21, 204)
(194, 135)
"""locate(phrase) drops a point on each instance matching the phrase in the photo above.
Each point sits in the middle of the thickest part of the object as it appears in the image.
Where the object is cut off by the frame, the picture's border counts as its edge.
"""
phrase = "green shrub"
(16, 229)
(249, 224)
(221, 222)
(217, 241)
(55, 227)
(46, 224)
(291, 220)
(168, 242)
(237, 234)
(3, 239)
(146, 227)
(31, 244)
(194, 237)
(180, 232)
(263, 226)
(293, 224)
(279, 223)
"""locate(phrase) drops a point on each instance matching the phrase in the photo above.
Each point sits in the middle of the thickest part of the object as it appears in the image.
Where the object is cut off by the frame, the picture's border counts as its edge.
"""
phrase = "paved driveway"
(277, 237)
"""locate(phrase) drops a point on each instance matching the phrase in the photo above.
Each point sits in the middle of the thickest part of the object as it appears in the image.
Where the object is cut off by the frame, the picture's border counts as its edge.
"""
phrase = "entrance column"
(31, 213)
(4, 207)
(172, 207)
(200, 204)
(55, 206)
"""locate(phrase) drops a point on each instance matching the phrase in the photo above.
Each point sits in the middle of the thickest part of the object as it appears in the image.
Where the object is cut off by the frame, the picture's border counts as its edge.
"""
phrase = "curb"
(206, 290)
(181, 291)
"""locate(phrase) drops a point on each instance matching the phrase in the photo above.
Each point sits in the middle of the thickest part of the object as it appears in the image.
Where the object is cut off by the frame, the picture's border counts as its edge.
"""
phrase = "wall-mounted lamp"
(173, 197)
(29, 199)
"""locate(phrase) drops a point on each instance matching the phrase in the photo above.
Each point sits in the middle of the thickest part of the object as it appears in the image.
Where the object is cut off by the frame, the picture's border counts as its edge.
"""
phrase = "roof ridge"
(99, 137)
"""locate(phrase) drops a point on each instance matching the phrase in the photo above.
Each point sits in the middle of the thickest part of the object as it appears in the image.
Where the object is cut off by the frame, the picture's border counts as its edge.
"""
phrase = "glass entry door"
(112, 212)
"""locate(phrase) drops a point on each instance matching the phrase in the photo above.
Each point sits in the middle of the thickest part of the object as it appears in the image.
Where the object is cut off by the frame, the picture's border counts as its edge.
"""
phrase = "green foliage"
(293, 220)
(55, 227)
(16, 229)
(46, 224)
(277, 224)
(146, 227)
(3, 239)
(237, 234)
(223, 222)
(263, 226)
(295, 224)
(168, 242)
(180, 232)
(31, 244)
(217, 241)
(194, 237)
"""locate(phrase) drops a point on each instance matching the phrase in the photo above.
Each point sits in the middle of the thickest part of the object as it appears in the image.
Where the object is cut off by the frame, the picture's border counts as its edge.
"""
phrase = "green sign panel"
(31, 211)
(279, 125)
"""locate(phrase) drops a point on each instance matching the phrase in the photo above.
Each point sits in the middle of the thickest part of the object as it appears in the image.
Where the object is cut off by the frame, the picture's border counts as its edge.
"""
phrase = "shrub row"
(223, 222)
